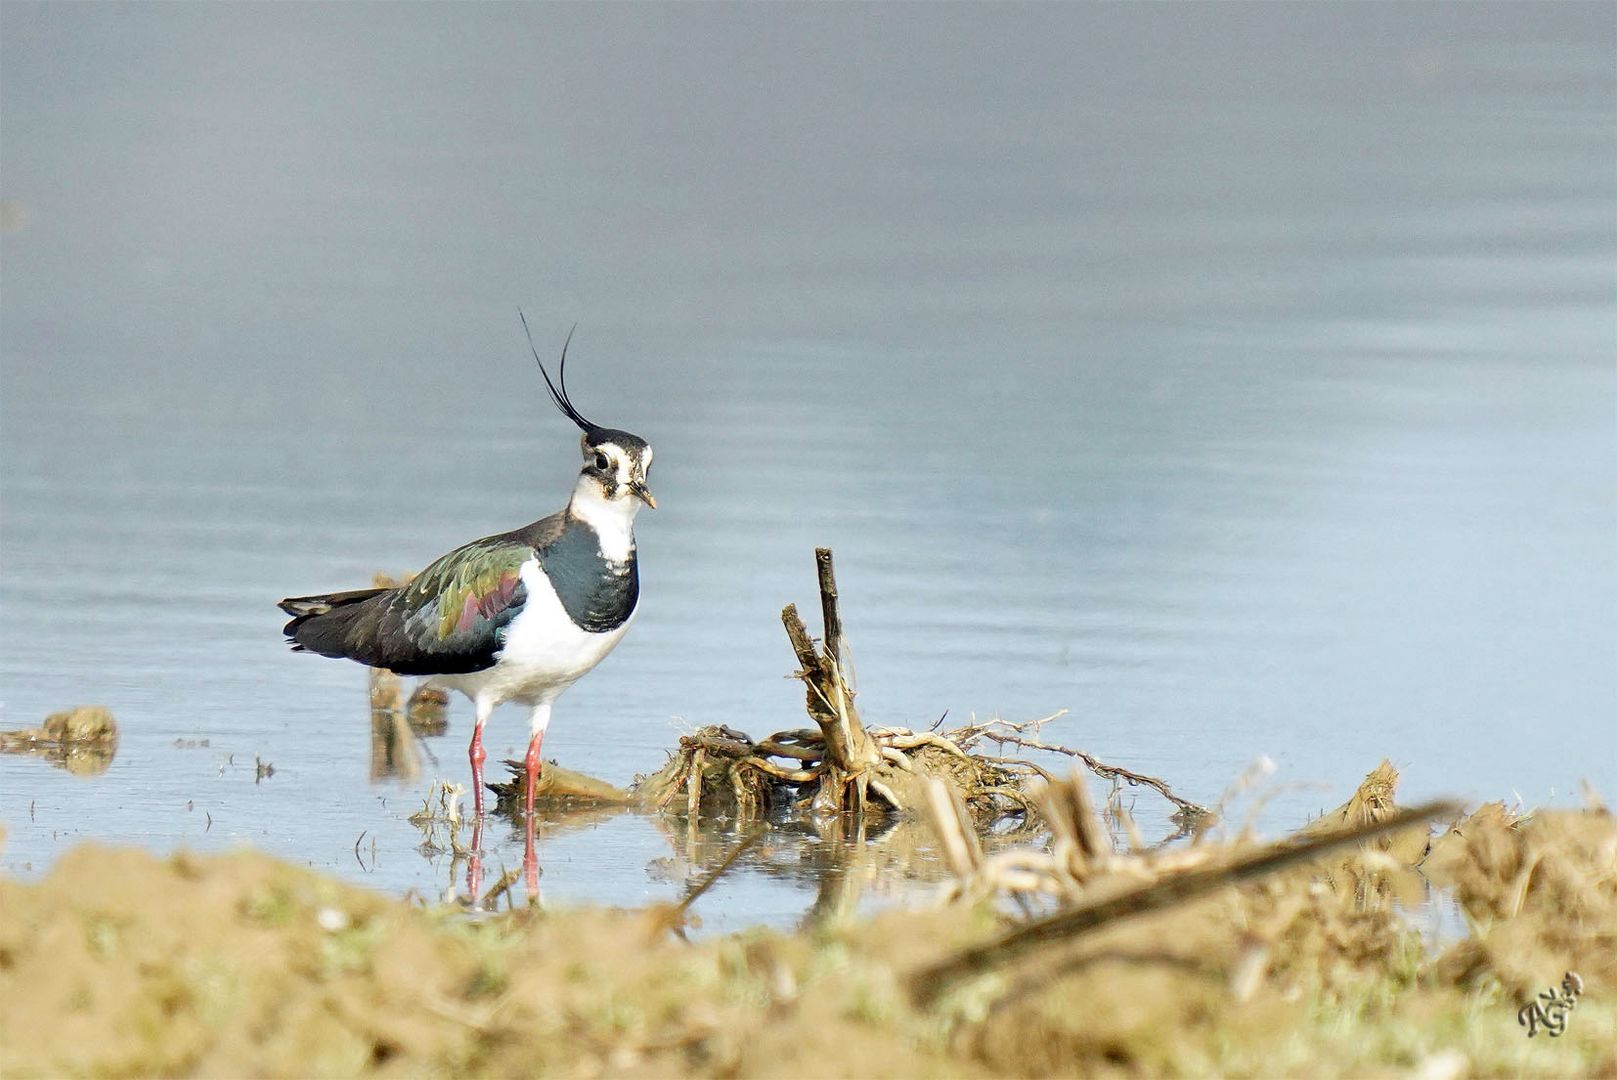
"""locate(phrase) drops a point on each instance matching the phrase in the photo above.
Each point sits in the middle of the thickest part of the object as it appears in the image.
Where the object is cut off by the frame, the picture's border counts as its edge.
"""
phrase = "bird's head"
(618, 462)
(615, 461)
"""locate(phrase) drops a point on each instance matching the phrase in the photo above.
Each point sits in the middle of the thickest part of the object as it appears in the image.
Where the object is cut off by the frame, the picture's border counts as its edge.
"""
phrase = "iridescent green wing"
(451, 618)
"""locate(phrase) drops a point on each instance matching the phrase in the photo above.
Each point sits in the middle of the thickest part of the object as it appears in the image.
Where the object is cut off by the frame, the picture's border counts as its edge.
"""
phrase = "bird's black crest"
(558, 389)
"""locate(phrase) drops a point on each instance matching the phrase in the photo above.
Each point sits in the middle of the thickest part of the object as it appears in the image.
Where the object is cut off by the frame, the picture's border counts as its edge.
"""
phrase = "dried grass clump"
(1151, 960)
(1231, 956)
(719, 772)
(1539, 893)
(1382, 869)
(1293, 912)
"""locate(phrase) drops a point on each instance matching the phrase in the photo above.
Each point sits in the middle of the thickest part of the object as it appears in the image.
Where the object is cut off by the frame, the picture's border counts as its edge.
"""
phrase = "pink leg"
(531, 766)
(478, 756)
(532, 763)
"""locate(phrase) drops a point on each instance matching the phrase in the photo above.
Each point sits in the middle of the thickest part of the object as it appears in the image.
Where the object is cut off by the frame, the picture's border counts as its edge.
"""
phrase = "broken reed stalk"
(1075, 828)
(830, 610)
(957, 833)
(849, 750)
(929, 983)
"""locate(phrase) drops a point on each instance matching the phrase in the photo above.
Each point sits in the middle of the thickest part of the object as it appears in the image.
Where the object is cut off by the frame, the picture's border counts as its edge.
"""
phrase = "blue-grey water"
(1241, 379)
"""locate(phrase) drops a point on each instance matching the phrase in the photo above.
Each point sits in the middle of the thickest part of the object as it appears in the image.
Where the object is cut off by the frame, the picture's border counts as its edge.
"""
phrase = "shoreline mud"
(123, 962)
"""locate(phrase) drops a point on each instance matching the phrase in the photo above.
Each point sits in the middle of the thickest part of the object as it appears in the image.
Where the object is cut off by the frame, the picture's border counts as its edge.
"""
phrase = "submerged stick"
(718, 871)
(930, 982)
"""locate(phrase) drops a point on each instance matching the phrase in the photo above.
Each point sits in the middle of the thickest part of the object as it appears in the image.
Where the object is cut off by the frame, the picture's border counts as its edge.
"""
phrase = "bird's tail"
(319, 623)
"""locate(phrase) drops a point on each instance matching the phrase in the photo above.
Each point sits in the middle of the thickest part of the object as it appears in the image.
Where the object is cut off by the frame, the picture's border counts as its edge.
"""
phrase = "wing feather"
(449, 619)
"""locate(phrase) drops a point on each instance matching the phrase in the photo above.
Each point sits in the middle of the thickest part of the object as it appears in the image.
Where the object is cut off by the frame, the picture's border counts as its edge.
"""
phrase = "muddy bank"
(121, 962)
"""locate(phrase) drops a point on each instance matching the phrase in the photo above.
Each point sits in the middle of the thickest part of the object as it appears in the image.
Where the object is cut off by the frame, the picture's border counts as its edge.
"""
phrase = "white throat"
(612, 519)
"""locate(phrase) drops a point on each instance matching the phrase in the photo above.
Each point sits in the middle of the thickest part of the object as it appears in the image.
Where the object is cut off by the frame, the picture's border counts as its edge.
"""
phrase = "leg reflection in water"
(562, 801)
(474, 863)
(530, 861)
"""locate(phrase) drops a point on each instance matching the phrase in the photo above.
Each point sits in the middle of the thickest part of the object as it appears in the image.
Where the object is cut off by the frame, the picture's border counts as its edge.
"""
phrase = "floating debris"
(395, 751)
(83, 740)
(427, 711)
(558, 787)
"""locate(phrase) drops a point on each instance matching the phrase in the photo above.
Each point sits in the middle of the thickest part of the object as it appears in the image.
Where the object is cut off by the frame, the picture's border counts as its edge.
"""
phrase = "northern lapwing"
(519, 616)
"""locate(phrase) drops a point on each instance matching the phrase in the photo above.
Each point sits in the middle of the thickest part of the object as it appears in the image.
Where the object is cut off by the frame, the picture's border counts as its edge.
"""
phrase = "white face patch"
(625, 469)
(622, 469)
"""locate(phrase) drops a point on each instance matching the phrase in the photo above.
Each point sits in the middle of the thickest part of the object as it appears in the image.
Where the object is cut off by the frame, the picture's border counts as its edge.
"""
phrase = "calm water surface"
(1240, 380)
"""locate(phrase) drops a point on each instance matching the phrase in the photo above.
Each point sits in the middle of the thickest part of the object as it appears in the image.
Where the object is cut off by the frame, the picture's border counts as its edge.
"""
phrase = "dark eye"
(603, 462)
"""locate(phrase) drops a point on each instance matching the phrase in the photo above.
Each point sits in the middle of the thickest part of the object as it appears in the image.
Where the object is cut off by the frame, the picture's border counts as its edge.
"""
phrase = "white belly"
(545, 651)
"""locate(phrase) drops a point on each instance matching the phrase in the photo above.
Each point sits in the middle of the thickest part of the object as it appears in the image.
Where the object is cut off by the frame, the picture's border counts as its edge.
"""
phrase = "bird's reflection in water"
(448, 827)
(839, 860)
(554, 819)
(399, 730)
(844, 861)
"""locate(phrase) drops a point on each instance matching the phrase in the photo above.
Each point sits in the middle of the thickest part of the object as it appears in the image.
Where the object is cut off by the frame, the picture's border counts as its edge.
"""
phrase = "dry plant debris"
(1098, 888)
(83, 740)
(843, 765)
(1539, 892)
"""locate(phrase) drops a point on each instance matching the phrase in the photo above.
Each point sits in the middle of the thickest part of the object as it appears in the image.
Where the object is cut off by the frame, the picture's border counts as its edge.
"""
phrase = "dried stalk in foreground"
(929, 983)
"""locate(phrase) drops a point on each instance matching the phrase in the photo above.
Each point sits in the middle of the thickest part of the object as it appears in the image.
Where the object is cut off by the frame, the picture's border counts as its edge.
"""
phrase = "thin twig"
(1105, 771)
